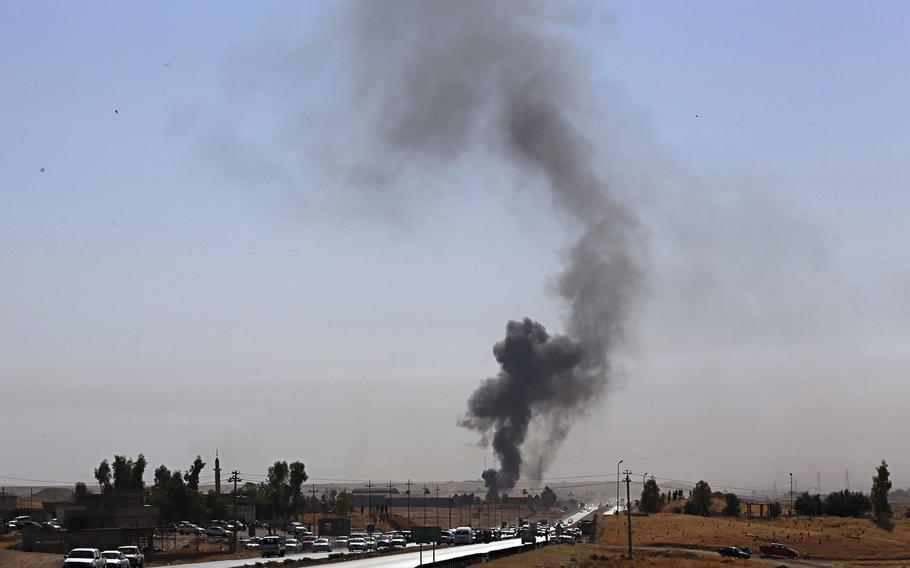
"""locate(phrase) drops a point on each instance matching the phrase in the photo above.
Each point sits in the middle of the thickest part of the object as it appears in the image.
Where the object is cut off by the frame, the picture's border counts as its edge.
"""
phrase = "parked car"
(134, 555)
(115, 559)
(371, 543)
(341, 542)
(292, 545)
(446, 537)
(83, 558)
(357, 544)
(272, 546)
(734, 552)
(778, 549)
(217, 531)
(384, 541)
(248, 544)
(18, 522)
(398, 541)
(322, 545)
(307, 542)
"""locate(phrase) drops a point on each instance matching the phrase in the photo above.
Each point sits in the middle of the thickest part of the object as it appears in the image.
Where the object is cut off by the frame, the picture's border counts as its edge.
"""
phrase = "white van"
(464, 535)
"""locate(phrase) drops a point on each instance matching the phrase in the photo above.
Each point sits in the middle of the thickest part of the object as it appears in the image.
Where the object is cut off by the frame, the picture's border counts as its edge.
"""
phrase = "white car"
(134, 555)
(292, 545)
(357, 544)
(84, 558)
(215, 530)
(322, 545)
(341, 542)
(464, 535)
(115, 559)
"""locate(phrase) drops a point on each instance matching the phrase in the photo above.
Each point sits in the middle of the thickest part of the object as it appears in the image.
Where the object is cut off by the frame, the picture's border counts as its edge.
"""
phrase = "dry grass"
(16, 559)
(595, 556)
(826, 538)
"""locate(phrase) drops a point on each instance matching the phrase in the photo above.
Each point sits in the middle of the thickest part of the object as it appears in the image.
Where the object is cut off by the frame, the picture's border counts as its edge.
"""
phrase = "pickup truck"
(778, 549)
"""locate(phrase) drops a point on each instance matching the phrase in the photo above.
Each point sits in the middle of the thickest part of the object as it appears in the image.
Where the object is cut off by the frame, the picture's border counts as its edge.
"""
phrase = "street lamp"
(617, 486)
(791, 494)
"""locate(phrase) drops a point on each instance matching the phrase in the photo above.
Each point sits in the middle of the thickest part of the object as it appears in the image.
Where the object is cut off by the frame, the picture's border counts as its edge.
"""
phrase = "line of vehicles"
(300, 539)
(122, 557)
(775, 549)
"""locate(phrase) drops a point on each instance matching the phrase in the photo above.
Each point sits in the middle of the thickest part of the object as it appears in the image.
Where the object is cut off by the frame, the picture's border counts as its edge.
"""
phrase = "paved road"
(400, 560)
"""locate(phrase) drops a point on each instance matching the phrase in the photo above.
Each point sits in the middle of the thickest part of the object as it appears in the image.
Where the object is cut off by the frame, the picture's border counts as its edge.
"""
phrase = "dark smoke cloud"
(432, 81)
(449, 76)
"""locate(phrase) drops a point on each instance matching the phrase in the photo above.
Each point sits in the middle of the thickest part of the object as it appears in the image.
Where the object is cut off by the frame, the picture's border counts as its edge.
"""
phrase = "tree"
(731, 508)
(122, 468)
(548, 497)
(191, 477)
(80, 492)
(808, 505)
(881, 485)
(650, 497)
(774, 509)
(277, 481)
(847, 504)
(296, 478)
(103, 475)
(700, 502)
(136, 473)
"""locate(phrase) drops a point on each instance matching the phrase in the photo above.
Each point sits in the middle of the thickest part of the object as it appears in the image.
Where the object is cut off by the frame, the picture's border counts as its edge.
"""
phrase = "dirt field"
(16, 559)
(826, 538)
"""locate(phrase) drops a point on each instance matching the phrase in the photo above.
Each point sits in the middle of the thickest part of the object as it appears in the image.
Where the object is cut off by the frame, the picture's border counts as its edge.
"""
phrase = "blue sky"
(163, 297)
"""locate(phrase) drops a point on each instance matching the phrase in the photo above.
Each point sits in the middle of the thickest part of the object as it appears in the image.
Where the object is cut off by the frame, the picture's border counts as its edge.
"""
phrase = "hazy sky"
(178, 273)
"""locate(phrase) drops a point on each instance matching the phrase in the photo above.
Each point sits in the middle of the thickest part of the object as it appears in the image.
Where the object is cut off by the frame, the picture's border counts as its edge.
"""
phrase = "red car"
(778, 549)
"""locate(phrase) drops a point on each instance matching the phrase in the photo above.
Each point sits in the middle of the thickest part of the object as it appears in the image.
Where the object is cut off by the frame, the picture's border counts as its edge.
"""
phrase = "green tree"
(700, 502)
(548, 497)
(137, 471)
(881, 485)
(122, 468)
(296, 478)
(103, 475)
(808, 505)
(774, 509)
(731, 506)
(191, 477)
(650, 497)
(80, 492)
(277, 481)
(847, 504)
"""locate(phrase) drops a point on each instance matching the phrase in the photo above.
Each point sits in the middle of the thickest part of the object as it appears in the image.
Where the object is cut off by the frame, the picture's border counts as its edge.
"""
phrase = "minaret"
(217, 473)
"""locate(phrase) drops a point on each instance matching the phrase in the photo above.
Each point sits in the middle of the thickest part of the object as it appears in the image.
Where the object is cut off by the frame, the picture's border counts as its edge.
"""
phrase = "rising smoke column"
(441, 77)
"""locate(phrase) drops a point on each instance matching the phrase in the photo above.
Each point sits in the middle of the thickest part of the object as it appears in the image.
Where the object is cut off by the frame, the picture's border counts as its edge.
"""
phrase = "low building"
(109, 511)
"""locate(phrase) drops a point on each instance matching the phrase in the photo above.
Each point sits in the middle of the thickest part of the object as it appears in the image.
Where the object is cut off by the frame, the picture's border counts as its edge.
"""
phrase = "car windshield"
(81, 554)
(129, 549)
(115, 555)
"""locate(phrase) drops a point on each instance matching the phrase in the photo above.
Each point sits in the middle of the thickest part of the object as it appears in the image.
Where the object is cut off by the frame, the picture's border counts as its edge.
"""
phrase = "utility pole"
(408, 484)
(313, 493)
(628, 481)
(426, 492)
(450, 510)
(389, 504)
(235, 477)
(370, 501)
(437, 505)
(818, 482)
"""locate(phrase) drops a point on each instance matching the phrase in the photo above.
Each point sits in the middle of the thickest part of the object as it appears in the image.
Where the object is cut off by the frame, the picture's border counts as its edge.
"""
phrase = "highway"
(400, 560)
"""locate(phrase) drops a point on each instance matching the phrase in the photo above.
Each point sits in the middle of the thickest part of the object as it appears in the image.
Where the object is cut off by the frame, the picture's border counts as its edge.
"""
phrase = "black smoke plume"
(447, 77)
(430, 82)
